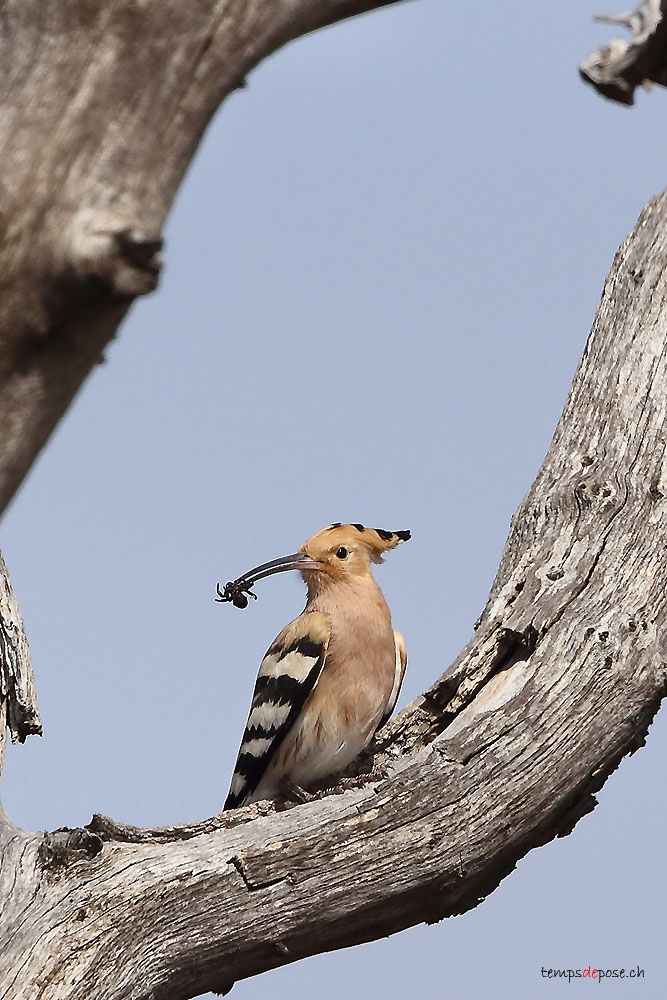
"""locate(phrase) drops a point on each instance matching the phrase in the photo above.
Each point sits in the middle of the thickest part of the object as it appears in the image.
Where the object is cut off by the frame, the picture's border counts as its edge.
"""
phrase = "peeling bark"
(503, 753)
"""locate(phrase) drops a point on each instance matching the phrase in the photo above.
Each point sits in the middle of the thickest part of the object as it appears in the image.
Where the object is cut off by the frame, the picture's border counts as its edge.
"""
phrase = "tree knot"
(65, 846)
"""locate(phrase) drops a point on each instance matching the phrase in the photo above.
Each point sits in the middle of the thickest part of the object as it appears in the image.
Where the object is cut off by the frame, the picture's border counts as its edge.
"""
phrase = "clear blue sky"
(380, 275)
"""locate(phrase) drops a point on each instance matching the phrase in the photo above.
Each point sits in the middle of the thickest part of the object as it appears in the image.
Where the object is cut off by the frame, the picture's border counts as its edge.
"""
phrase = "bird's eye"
(342, 552)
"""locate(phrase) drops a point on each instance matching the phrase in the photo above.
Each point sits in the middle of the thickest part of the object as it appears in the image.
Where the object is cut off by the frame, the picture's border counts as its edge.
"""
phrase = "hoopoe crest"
(332, 677)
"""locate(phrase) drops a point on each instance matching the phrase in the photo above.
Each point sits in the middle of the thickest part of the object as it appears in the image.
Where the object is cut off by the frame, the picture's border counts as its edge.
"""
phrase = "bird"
(331, 678)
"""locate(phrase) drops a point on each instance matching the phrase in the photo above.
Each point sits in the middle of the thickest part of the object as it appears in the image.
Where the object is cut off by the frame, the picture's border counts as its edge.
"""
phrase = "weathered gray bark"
(102, 106)
(505, 752)
(17, 684)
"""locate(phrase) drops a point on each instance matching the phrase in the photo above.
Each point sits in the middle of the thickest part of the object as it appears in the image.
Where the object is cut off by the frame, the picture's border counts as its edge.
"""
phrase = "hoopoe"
(332, 676)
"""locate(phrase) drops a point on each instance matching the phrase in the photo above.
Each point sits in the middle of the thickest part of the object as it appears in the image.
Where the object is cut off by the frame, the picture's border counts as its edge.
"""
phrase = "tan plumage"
(331, 677)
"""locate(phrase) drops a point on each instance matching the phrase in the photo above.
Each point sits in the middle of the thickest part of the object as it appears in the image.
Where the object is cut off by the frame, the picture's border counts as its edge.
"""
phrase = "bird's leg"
(293, 794)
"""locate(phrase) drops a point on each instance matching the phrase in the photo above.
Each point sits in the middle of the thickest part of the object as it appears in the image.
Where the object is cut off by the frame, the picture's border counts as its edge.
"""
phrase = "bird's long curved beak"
(236, 590)
(297, 560)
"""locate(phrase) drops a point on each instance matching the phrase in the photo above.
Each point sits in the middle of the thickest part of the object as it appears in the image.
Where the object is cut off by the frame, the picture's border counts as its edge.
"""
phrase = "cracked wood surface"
(102, 106)
(502, 754)
(18, 699)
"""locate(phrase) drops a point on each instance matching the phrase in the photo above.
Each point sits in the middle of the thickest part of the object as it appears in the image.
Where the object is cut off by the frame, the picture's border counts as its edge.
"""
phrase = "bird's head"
(332, 554)
(344, 550)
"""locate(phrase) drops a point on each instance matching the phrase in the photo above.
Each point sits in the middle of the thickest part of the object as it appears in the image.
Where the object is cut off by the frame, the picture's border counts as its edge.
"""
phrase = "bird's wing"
(287, 674)
(399, 673)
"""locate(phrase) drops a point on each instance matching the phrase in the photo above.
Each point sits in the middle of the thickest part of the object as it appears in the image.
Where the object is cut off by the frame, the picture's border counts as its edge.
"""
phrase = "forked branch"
(508, 747)
(502, 754)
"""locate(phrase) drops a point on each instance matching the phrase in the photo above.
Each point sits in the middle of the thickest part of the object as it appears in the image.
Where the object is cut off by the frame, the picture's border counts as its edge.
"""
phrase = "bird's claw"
(291, 794)
(347, 784)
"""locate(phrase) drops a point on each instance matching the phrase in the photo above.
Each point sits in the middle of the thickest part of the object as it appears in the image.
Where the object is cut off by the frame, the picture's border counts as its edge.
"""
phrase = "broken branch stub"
(618, 68)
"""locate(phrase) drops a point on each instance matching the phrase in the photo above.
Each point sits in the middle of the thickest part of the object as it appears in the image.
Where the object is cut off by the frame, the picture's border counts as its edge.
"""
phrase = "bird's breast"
(346, 705)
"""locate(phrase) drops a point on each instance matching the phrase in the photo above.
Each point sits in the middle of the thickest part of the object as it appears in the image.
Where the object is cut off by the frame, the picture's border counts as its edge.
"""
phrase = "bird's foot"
(347, 784)
(292, 795)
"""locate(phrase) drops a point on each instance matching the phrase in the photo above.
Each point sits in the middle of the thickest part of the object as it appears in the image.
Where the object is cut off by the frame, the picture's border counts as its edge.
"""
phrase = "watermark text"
(591, 973)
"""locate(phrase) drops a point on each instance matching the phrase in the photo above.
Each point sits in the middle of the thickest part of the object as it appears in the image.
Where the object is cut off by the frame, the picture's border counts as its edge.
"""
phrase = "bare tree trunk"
(561, 680)
(503, 753)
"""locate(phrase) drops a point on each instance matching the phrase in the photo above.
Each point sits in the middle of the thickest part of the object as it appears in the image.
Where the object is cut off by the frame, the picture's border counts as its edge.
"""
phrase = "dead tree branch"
(508, 748)
(18, 700)
(502, 754)
(617, 69)
(102, 106)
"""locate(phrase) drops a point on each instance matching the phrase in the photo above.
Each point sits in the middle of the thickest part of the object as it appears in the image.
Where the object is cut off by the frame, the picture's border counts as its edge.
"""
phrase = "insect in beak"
(236, 590)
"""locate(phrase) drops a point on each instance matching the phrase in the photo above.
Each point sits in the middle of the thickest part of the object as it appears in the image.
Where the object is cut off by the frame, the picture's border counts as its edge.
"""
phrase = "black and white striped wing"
(287, 674)
(399, 673)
